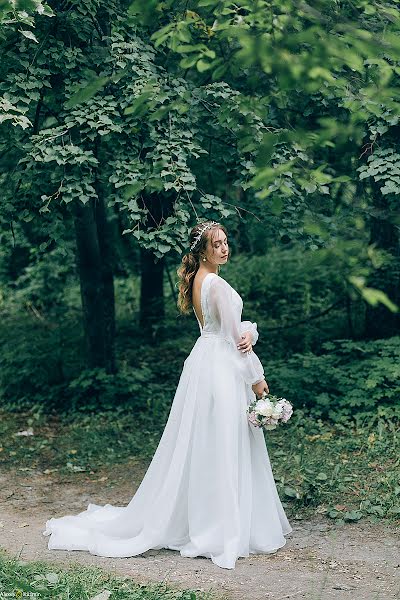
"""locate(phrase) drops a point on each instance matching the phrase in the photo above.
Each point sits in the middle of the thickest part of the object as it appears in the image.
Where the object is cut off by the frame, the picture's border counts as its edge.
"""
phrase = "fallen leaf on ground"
(104, 595)
(28, 431)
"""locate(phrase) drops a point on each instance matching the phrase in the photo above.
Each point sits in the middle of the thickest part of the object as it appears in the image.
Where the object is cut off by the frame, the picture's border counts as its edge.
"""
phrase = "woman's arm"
(221, 306)
(251, 328)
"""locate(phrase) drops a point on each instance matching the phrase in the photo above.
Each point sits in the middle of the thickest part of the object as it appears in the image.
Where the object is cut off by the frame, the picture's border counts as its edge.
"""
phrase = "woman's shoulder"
(218, 282)
(217, 279)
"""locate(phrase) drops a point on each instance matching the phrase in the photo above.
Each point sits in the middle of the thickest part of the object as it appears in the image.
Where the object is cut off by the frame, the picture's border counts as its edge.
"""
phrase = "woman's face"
(217, 248)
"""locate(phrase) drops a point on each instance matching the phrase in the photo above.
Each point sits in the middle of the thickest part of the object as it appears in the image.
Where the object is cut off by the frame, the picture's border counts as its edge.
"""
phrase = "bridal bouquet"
(268, 411)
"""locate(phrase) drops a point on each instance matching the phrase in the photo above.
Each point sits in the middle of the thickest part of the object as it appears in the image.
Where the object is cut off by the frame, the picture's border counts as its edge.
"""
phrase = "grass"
(344, 471)
(42, 580)
(87, 442)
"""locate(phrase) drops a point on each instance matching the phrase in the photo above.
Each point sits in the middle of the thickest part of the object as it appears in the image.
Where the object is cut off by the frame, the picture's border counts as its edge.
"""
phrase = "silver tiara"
(201, 231)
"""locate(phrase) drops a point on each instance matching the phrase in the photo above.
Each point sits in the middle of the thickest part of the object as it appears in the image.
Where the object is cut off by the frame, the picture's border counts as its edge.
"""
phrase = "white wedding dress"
(209, 489)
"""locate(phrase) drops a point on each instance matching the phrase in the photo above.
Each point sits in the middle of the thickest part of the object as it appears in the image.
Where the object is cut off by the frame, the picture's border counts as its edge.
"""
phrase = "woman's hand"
(259, 388)
(245, 345)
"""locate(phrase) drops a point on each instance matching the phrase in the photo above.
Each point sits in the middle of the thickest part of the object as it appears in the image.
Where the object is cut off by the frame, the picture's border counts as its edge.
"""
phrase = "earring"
(204, 259)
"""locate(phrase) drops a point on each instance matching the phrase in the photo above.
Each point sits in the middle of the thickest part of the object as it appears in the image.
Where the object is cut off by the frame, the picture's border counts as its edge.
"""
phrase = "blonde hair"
(191, 262)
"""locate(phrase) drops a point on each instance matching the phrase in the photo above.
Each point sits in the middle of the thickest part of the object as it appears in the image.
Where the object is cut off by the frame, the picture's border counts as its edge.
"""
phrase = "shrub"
(347, 378)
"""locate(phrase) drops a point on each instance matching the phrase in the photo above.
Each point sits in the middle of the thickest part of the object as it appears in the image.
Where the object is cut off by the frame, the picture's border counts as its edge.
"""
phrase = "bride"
(209, 489)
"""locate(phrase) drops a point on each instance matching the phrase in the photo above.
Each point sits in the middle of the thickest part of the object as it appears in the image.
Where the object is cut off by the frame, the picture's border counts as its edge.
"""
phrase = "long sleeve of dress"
(252, 327)
(223, 311)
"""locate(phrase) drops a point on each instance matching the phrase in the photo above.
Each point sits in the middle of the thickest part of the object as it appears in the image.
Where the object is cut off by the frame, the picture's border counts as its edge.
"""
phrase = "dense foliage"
(122, 124)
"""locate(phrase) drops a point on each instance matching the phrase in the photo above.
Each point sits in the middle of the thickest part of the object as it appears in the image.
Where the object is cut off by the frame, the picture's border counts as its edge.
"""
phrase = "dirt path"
(321, 560)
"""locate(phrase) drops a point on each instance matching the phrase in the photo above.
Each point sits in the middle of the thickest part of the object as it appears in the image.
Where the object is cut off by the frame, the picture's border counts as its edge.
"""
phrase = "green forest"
(122, 125)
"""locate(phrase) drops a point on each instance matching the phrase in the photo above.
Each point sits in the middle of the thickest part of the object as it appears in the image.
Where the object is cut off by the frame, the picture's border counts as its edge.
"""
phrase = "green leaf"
(158, 114)
(354, 515)
(219, 72)
(183, 34)
(47, 11)
(372, 295)
(290, 492)
(184, 48)
(188, 61)
(132, 189)
(137, 108)
(52, 578)
(30, 35)
(164, 248)
(202, 65)
(87, 91)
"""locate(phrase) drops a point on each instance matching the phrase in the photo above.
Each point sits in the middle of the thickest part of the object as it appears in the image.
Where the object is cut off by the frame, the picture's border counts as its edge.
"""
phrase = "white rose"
(265, 408)
(272, 426)
(277, 412)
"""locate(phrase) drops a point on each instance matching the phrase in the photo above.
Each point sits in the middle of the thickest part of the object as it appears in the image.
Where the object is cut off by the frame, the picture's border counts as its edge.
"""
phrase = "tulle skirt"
(209, 489)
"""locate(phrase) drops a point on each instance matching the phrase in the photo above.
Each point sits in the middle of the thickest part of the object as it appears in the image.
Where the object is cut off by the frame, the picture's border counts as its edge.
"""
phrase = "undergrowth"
(345, 471)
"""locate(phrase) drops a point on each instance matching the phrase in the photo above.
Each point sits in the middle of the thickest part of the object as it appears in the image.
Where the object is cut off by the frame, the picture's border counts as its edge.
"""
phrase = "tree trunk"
(380, 322)
(106, 246)
(152, 310)
(96, 282)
